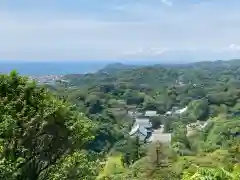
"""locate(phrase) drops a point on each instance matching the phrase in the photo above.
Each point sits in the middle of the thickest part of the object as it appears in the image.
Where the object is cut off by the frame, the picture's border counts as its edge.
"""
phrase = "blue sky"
(163, 30)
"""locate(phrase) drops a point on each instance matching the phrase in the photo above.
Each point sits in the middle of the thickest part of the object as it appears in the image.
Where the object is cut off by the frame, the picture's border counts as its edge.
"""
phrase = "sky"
(160, 30)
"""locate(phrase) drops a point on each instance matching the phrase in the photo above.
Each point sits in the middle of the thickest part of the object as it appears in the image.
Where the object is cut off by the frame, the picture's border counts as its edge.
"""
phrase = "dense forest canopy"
(39, 133)
(79, 127)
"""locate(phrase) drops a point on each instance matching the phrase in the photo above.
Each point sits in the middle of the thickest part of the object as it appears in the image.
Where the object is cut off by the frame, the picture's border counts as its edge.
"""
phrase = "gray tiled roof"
(143, 131)
(143, 122)
(137, 128)
(140, 128)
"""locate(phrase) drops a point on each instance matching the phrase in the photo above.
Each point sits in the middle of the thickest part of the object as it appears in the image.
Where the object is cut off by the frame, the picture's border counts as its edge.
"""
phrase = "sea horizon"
(40, 68)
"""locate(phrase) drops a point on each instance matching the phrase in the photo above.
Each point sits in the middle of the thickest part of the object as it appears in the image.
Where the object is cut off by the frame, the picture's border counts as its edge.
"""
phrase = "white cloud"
(234, 47)
(134, 30)
(167, 2)
(146, 52)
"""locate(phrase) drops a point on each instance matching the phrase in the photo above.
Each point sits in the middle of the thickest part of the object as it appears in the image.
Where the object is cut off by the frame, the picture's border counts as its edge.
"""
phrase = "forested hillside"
(202, 72)
(79, 128)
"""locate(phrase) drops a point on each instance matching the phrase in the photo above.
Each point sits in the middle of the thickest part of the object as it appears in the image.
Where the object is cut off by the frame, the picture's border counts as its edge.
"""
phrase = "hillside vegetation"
(78, 128)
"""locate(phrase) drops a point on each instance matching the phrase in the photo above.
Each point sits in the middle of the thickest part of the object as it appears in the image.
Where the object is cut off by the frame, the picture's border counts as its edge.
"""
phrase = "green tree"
(211, 173)
(179, 135)
(36, 129)
(199, 109)
(76, 166)
(156, 121)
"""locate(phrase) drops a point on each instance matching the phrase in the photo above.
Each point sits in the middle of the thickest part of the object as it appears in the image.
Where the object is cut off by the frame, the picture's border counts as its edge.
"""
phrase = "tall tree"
(36, 129)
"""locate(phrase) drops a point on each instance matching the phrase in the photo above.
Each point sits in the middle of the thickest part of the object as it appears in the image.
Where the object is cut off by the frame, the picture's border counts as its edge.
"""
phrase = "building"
(176, 111)
(141, 132)
(142, 128)
(180, 111)
(151, 113)
(193, 127)
(134, 114)
(168, 113)
(143, 122)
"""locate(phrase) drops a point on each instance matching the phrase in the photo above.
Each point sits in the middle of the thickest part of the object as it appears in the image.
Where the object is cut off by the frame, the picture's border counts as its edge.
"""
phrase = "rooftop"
(139, 131)
(180, 111)
(143, 122)
(176, 111)
(151, 113)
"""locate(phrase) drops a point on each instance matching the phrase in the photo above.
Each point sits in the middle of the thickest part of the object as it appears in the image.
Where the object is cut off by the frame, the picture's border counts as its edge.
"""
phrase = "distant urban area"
(46, 79)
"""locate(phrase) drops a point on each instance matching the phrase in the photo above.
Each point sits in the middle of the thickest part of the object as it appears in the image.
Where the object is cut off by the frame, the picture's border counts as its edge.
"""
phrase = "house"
(142, 132)
(193, 127)
(151, 113)
(142, 128)
(134, 113)
(137, 114)
(143, 122)
(168, 113)
(198, 125)
(176, 111)
(180, 111)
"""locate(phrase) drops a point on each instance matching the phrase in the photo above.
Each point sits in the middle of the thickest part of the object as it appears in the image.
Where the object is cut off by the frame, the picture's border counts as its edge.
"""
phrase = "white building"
(151, 113)
(180, 111)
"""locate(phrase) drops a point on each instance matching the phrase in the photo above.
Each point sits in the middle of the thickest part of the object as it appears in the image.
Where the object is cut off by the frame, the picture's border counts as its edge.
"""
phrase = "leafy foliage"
(36, 129)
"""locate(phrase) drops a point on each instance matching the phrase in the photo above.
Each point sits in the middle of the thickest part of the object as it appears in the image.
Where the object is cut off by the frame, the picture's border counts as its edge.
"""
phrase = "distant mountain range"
(155, 75)
(111, 68)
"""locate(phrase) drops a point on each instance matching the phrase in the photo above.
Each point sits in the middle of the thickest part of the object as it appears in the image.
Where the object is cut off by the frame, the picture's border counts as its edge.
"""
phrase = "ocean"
(54, 68)
(63, 67)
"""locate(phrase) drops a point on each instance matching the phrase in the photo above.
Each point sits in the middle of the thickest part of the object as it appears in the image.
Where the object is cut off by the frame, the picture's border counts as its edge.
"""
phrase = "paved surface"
(158, 135)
